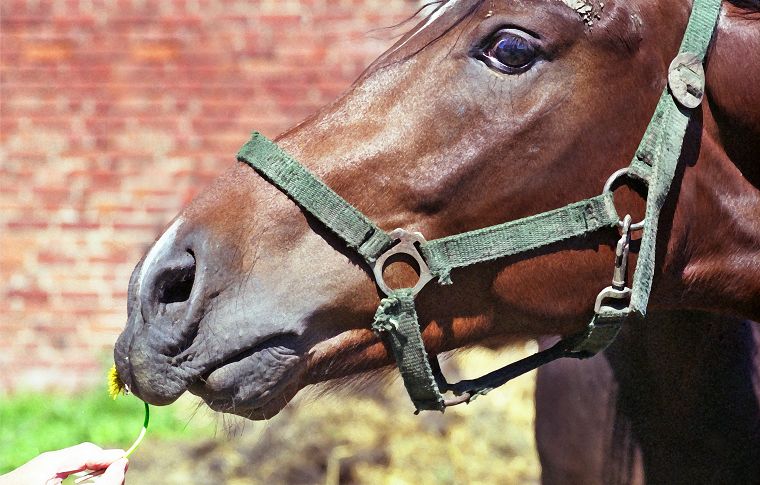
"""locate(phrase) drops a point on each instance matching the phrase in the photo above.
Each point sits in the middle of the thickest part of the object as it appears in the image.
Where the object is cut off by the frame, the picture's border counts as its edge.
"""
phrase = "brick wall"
(114, 114)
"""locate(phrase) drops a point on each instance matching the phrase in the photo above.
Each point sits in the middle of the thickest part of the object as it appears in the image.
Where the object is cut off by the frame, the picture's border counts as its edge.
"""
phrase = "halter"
(654, 164)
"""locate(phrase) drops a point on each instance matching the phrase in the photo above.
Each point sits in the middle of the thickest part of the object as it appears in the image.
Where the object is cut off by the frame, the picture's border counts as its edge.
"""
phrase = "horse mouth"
(256, 383)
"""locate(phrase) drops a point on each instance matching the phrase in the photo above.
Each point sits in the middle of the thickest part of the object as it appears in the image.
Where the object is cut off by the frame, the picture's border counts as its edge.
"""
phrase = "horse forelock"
(430, 29)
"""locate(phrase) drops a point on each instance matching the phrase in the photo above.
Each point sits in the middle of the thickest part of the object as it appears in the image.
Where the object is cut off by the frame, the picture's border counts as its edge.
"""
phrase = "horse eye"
(508, 52)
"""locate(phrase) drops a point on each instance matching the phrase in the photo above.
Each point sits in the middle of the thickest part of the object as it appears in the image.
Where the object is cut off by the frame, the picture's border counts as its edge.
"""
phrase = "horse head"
(485, 112)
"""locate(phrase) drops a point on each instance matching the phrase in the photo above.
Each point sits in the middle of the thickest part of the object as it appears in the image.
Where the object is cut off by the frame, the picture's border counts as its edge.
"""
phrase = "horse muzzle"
(190, 328)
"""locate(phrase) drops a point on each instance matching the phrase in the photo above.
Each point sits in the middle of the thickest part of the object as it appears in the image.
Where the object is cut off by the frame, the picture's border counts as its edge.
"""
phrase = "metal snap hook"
(618, 290)
(406, 245)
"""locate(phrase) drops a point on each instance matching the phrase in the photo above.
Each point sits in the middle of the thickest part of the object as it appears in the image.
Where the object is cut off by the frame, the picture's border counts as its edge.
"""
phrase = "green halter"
(654, 164)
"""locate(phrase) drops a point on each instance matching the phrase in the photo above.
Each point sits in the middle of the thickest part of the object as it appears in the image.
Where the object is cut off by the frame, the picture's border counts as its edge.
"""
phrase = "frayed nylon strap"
(442, 255)
(396, 323)
(657, 156)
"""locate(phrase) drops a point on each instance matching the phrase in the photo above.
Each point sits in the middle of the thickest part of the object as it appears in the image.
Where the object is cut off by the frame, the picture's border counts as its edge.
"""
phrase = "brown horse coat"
(245, 299)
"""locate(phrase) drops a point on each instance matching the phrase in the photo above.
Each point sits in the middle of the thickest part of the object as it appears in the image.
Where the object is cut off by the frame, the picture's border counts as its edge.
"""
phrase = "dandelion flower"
(115, 387)
(115, 384)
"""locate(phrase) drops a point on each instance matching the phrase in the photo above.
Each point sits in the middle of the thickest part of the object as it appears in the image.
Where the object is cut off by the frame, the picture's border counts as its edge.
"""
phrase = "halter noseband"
(654, 164)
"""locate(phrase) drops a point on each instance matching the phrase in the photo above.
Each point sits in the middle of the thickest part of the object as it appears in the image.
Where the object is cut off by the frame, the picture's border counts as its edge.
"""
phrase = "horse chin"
(256, 384)
(255, 411)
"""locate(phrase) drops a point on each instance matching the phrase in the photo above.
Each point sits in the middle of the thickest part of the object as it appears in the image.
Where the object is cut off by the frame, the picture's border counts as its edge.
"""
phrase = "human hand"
(52, 467)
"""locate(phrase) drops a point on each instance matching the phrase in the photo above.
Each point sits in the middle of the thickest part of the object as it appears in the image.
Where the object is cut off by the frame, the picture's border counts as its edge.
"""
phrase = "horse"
(484, 112)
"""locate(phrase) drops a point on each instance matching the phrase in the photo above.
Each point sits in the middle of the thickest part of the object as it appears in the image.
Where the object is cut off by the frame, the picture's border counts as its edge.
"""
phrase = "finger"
(84, 456)
(115, 473)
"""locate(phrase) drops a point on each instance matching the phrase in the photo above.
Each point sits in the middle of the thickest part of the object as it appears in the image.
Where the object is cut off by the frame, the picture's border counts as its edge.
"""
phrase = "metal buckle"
(618, 290)
(623, 172)
(406, 245)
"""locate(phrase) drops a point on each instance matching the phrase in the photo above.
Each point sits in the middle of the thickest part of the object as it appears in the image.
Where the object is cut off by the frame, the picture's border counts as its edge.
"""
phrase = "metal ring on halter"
(623, 172)
(406, 241)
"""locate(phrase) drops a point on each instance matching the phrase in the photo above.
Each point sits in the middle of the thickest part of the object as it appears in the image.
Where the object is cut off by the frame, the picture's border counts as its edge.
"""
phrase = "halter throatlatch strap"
(396, 322)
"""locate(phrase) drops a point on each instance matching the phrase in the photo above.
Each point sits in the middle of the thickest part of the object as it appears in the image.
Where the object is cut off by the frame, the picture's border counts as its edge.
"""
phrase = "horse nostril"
(175, 281)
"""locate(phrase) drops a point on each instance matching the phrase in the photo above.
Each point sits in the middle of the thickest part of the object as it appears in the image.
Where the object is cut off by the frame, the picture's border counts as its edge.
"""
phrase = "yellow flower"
(115, 384)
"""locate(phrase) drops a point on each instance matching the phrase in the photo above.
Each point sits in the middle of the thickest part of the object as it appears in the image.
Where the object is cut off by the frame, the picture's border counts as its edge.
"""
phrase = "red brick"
(80, 226)
(51, 197)
(111, 259)
(50, 257)
(24, 224)
(33, 296)
(109, 128)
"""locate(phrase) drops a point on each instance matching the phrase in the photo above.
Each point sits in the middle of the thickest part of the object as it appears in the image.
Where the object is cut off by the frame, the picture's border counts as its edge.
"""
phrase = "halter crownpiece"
(396, 320)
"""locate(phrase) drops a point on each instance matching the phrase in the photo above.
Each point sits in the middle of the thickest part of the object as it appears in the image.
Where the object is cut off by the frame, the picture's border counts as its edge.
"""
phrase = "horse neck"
(716, 249)
(712, 257)
(688, 390)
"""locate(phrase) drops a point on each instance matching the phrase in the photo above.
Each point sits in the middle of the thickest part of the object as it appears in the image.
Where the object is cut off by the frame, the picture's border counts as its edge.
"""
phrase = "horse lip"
(241, 383)
(285, 339)
(154, 385)
(141, 372)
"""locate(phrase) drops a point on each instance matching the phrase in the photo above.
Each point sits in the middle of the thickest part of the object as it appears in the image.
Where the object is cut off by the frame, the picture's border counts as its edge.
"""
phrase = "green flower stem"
(142, 432)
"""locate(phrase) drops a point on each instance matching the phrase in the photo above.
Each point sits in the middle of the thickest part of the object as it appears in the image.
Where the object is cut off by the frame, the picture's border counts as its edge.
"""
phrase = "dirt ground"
(367, 436)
